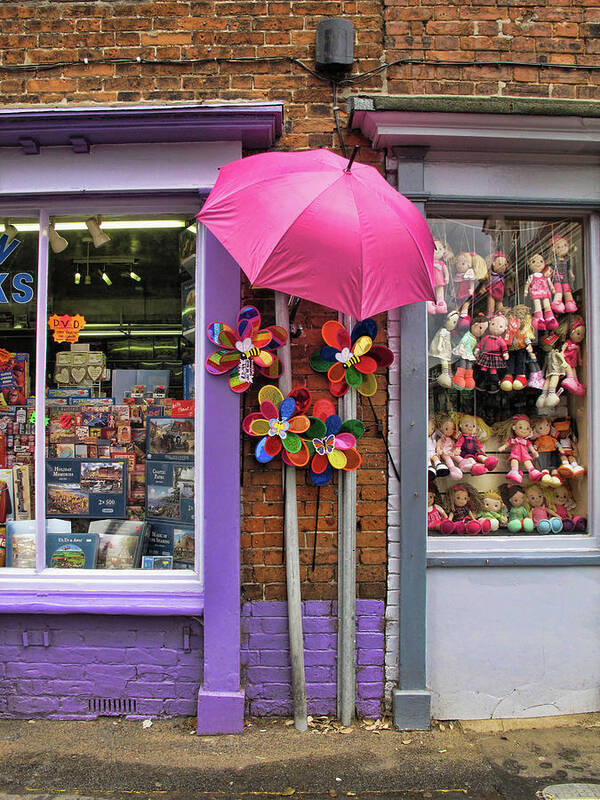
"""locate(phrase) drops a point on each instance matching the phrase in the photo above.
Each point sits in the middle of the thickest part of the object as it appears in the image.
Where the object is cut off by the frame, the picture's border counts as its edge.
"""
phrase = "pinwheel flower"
(331, 443)
(351, 360)
(245, 347)
(278, 423)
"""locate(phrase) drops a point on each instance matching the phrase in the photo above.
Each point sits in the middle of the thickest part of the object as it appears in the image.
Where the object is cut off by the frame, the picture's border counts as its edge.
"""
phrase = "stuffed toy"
(547, 446)
(517, 433)
(491, 354)
(446, 446)
(562, 276)
(522, 368)
(464, 502)
(567, 449)
(519, 519)
(441, 276)
(435, 467)
(435, 511)
(540, 288)
(555, 367)
(565, 505)
(571, 351)
(542, 510)
(494, 510)
(465, 350)
(441, 347)
(496, 284)
(473, 457)
(468, 269)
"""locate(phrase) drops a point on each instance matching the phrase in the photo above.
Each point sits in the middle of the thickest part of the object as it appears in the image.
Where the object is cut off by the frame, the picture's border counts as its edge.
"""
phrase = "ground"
(119, 758)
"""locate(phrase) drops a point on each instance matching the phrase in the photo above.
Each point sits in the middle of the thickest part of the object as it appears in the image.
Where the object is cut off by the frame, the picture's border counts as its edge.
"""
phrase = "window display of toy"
(522, 367)
(465, 350)
(539, 288)
(542, 510)
(562, 276)
(573, 332)
(435, 511)
(519, 519)
(435, 466)
(516, 434)
(441, 348)
(446, 446)
(464, 504)
(441, 276)
(496, 282)
(494, 510)
(474, 459)
(467, 270)
(491, 354)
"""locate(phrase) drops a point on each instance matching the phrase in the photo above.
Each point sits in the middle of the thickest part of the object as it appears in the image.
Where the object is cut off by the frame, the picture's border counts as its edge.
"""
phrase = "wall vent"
(112, 706)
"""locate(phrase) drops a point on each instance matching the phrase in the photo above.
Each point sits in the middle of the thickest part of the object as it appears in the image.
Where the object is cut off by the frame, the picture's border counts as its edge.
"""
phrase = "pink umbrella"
(314, 225)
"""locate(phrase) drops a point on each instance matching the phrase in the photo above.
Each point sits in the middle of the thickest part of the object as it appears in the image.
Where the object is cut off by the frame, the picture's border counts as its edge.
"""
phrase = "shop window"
(120, 406)
(508, 427)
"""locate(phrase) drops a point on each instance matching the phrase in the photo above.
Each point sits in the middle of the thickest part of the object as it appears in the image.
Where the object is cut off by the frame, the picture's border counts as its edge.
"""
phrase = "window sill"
(551, 558)
(24, 592)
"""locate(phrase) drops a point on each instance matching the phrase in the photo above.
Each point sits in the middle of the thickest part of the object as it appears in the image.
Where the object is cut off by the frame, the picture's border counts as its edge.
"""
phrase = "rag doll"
(446, 446)
(441, 276)
(469, 269)
(521, 356)
(565, 505)
(493, 509)
(562, 276)
(571, 351)
(464, 502)
(435, 467)
(519, 518)
(546, 444)
(496, 285)
(491, 353)
(542, 510)
(435, 512)
(555, 367)
(540, 288)
(465, 350)
(441, 347)
(517, 432)
(473, 457)
(567, 449)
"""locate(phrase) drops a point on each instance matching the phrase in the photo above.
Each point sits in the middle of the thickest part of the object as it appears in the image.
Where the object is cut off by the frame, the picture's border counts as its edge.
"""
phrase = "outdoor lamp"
(57, 242)
(99, 237)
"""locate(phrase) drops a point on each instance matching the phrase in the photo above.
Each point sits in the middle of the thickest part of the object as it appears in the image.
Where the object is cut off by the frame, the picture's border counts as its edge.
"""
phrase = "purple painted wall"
(156, 661)
(266, 660)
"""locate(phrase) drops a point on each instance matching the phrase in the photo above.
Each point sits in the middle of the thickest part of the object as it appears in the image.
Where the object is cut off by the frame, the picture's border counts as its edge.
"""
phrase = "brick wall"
(266, 658)
(141, 658)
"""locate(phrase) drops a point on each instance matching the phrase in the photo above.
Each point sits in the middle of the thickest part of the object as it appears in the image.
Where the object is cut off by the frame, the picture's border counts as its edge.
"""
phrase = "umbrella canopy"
(300, 223)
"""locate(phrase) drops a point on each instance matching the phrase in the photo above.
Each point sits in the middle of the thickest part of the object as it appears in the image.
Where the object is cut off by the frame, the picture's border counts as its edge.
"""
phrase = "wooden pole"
(347, 575)
(292, 551)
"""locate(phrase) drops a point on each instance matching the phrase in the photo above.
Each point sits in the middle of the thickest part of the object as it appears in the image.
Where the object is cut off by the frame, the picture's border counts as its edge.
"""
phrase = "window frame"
(530, 545)
(108, 591)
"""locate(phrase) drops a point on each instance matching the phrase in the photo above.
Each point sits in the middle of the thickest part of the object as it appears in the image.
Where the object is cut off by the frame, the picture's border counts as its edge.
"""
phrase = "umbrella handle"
(352, 157)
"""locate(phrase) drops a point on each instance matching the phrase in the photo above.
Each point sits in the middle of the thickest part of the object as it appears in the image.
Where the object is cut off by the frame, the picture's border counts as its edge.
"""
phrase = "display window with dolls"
(507, 377)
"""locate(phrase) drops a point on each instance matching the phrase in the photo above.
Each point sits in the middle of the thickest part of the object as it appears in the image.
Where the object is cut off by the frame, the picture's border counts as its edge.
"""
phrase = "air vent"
(112, 706)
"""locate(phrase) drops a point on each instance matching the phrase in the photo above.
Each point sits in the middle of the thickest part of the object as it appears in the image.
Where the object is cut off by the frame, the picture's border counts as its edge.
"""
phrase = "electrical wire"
(334, 87)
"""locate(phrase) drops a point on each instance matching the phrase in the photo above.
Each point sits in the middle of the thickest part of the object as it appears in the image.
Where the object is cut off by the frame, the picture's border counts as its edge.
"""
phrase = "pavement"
(117, 758)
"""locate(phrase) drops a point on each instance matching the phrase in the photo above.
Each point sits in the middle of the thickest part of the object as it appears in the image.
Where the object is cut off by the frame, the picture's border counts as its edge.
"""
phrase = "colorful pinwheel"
(242, 349)
(351, 360)
(279, 422)
(331, 443)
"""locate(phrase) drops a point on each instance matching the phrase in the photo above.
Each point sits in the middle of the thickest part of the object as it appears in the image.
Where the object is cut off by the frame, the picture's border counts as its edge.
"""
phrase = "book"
(20, 540)
(157, 562)
(121, 543)
(71, 550)
(86, 488)
(7, 498)
(170, 492)
(166, 539)
(22, 491)
(170, 439)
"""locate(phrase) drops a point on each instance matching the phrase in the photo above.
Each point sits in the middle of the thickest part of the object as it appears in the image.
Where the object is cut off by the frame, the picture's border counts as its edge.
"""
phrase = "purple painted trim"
(221, 504)
(256, 126)
(40, 392)
(138, 603)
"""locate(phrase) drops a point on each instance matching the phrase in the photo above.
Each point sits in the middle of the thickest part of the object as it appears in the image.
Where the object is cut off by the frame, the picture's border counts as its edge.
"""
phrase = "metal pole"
(292, 552)
(347, 576)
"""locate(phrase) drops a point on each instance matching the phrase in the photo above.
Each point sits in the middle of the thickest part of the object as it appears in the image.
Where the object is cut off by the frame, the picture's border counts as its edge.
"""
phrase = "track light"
(77, 278)
(105, 277)
(10, 231)
(134, 276)
(99, 237)
(57, 242)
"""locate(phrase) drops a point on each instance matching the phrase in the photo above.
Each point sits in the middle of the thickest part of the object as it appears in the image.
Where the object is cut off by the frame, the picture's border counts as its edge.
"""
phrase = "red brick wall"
(34, 31)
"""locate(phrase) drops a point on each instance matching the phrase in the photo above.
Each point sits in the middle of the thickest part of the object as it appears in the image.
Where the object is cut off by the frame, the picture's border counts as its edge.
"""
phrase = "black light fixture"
(334, 47)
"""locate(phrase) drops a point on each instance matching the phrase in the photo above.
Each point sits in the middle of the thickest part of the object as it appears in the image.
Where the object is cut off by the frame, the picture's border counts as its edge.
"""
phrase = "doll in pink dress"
(464, 503)
(562, 276)
(565, 505)
(491, 354)
(435, 512)
(542, 510)
(521, 449)
(571, 351)
(446, 446)
(441, 276)
(496, 285)
(469, 269)
(539, 287)
(473, 457)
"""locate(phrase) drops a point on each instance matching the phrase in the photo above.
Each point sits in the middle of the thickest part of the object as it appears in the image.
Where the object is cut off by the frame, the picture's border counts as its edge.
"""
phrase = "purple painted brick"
(319, 641)
(368, 691)
(369, 641)
(110, 673)
(151, 690)
(267, 641)
(321, 706)
(274, 658)
(369, 674)
(269, 674)
(370, 657)
(319, 625)
(272, 608)
(186, 708)
(320, 658)
(317, 674)
(375, 623)
(318, 608)
(271, 708)
(321, 690)
(73, 705)
(274, 625)
(369, 708)
(25, 706)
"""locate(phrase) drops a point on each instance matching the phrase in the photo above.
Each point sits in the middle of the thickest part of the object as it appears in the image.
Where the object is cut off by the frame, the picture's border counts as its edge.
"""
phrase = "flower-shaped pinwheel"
(331, 443)
(245, 347)
(351, 360)
(279, 422)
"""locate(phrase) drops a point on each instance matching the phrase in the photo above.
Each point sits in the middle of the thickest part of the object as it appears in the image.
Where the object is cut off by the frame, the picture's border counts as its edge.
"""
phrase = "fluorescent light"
(77, 278)
(110, 333)
(106, 278)
(117, 224)
(134, 276)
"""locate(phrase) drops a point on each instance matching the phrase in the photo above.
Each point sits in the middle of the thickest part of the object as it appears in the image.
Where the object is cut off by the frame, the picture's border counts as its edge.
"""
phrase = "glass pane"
(18, 294)
(120, 438)
(507, 451)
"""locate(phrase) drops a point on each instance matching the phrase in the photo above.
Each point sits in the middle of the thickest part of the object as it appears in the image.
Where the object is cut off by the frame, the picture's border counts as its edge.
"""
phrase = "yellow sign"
(66, 328)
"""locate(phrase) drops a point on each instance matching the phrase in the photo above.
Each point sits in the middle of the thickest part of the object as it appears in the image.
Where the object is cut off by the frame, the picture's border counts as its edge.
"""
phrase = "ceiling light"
(77, 278)
(10, 231)
(57, 242)
(99, 237)
(134, 276)
(120, 224)
(105, 277)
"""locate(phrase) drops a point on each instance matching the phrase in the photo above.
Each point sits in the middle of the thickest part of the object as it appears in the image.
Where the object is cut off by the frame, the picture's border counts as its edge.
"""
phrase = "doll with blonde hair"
(540, 288)
(468, 270)
(565, 505)
(516, 433)
(542, 509)
(521, 356)
(464, 503)
(446, 446)
(441, 276)
(493, 509)
(474, 459)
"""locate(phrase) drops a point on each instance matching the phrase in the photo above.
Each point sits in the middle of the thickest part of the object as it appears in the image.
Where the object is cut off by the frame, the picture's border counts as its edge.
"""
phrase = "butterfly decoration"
(279, 423)
(331, 443)
(245, 349)
(350, 360)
